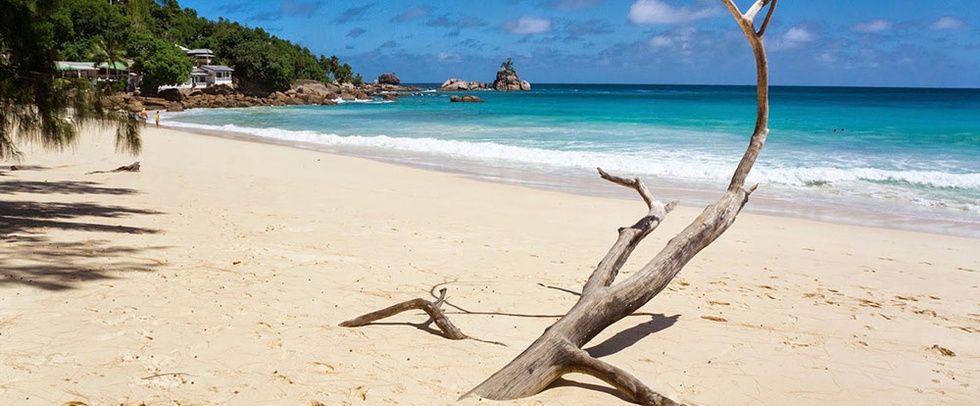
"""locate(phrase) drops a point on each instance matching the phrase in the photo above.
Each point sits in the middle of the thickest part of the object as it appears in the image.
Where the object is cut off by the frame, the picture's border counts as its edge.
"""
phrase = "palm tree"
(34, 106)
(107, 52)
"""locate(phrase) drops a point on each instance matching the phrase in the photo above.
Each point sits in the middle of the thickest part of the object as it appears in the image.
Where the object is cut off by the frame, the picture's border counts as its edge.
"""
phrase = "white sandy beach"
(218, 274)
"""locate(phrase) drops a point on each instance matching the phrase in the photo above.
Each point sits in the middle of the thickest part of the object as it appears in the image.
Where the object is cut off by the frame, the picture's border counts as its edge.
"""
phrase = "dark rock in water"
(465, 99)
(388, 79)
(507, 80)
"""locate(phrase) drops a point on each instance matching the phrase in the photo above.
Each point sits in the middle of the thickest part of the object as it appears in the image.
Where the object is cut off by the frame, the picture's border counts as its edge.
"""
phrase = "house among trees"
(204, 74)
(210, 75)
(202, 56)
(121, 71)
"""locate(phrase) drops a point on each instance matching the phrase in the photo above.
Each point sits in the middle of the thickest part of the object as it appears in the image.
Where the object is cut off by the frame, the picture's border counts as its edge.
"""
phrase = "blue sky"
(934, 43)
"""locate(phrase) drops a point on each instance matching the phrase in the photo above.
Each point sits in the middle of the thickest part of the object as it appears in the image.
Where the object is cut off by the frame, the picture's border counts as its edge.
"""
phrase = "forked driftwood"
(133, 167)
(558, 351)
(434, 310)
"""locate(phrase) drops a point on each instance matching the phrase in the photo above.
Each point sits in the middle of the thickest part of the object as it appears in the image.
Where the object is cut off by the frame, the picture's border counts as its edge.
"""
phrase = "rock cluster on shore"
(303, 92)
(306, 92)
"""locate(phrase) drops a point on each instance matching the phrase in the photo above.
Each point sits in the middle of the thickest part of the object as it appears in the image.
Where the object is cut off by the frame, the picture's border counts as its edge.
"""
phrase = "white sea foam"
(683, 165)
(362, 101)
(825, 175)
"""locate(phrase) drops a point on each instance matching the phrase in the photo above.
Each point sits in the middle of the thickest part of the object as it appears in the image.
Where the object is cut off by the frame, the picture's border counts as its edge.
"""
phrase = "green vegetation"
(36, 107)
(95, 30)
(160, 62)
(507, 65)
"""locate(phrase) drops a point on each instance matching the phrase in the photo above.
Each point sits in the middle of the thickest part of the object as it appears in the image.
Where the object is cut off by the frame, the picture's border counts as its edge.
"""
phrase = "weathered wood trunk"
(559, 350)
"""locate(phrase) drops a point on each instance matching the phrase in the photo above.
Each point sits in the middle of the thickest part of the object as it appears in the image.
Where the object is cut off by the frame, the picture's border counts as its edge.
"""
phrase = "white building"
(204, 74)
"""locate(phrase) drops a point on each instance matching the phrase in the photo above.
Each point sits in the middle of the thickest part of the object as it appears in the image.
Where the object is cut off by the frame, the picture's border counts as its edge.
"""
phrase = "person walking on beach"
(157, 118)
(144, 116)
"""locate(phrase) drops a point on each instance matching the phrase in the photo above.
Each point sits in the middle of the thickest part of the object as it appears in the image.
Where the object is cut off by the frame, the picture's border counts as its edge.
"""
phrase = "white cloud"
(448, 57)
(661, 41)
(828, 57)
(872, 26)
(659, 12)
(947, 23)
(528, 25)
(794, 38)
(680, 40)
(799, 35)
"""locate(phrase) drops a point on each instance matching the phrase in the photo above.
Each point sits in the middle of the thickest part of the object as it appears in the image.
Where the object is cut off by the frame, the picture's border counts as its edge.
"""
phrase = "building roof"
(68, 65)
(217, 68)
(117, 65)
(199, 51)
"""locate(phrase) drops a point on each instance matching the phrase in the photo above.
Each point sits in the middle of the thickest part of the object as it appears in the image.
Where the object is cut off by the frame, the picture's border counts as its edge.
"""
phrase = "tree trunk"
(559, 350)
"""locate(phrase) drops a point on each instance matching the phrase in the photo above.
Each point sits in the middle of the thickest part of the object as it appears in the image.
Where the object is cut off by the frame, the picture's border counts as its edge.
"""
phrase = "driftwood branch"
(602, 303)
(133, 167)
(558, 350)
(629, 237)
(580, 361)
(765, 23)
(433, 309)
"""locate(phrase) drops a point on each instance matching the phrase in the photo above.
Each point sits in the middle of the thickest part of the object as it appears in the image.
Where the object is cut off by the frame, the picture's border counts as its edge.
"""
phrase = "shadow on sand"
(28, 256)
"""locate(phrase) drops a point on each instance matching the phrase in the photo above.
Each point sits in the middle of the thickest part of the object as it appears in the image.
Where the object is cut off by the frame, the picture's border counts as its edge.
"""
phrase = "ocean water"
(888, 157)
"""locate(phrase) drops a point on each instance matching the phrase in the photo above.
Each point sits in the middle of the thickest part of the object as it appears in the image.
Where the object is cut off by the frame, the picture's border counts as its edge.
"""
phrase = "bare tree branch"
(756, 7)
(633, 389)
(433, 309)
(765, 23)
(603, 303)
(634, 184)
(558, 350)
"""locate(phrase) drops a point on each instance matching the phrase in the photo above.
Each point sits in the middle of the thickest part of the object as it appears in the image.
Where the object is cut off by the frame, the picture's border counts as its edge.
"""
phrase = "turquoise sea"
(906, 158)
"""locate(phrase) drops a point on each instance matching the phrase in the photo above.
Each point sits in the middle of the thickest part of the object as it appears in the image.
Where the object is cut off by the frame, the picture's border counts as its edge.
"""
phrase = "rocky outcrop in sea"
(460, 85)
(507, 80)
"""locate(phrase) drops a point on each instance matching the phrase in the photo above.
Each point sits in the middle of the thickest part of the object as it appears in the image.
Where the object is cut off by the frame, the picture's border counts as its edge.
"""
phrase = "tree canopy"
(37, 107)
(104, 31)
(507, 65)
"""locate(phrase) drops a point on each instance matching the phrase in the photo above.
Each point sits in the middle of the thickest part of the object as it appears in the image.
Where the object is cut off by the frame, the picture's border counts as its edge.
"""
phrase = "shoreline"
(218, 275)
(588, 183)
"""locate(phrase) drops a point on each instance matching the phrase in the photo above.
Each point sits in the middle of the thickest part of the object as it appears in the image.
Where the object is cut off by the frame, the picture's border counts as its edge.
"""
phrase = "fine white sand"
(218, 274)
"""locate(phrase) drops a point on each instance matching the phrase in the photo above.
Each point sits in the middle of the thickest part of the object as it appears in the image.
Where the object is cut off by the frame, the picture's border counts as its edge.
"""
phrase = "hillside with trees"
(38, 107)
(148, 33)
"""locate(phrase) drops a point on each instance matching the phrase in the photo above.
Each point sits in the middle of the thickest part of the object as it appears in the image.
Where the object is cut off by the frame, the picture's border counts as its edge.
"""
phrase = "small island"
(506, 80)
